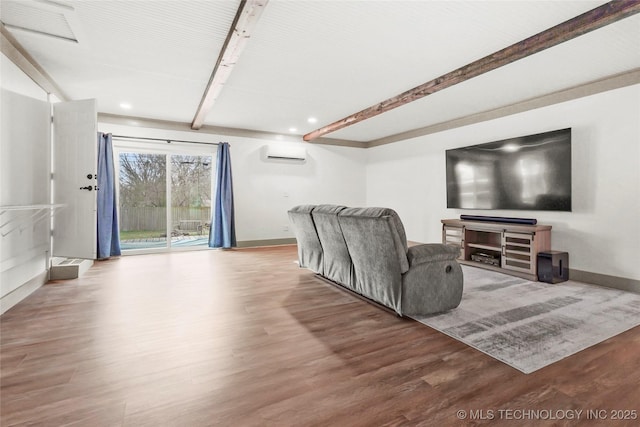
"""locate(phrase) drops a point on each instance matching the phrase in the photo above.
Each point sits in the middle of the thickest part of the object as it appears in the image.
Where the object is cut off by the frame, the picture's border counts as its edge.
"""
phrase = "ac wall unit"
(285, 152)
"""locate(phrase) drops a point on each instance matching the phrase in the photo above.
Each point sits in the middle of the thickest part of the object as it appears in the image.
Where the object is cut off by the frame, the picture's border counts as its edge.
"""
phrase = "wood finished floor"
(245, 337)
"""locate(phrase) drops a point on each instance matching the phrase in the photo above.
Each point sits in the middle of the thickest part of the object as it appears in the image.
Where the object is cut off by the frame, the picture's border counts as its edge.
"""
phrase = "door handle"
(88, 188)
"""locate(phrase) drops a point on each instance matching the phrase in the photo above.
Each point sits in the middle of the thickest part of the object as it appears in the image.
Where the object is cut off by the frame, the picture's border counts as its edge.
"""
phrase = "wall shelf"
(487, 247)
(25, 213)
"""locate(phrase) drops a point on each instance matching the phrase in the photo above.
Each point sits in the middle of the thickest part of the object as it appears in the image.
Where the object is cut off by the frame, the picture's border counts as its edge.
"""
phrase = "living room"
(404, 171)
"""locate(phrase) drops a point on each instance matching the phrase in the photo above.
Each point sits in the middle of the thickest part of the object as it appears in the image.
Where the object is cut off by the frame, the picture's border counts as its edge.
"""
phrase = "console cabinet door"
(454, 236)
(517, 252)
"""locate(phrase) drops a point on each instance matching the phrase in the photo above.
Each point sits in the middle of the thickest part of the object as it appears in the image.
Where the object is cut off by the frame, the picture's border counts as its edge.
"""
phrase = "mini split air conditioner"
(284, 152)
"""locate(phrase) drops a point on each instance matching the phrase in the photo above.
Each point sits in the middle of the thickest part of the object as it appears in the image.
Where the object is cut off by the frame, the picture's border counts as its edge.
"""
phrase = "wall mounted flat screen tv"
(526, 173)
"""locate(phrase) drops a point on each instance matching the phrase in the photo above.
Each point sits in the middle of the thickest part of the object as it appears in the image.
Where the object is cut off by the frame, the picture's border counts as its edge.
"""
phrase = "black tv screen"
(526, 173)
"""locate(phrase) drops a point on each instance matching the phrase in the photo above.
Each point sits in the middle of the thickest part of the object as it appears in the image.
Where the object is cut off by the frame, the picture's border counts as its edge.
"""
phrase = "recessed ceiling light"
(312, 120)
(293, 130)
(510, 148)
(125, 105)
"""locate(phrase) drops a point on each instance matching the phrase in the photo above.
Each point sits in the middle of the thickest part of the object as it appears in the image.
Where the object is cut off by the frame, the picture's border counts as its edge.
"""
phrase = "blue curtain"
(222, 233)
(108, 235)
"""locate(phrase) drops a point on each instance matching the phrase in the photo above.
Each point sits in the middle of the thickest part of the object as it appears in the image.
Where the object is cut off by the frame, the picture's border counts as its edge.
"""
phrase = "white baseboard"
(20, 293)
(622, 283)
(266, 242)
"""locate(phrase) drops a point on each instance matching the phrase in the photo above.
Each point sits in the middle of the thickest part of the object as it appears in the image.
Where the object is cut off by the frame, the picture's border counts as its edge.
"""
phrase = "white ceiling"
(326, 59)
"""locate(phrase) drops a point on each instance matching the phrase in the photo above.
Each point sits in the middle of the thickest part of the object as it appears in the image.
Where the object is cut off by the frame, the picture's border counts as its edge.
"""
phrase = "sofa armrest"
(431, 252)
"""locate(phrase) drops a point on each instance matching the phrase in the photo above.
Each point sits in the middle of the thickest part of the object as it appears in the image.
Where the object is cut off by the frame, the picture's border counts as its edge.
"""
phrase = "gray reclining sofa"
(365, 250)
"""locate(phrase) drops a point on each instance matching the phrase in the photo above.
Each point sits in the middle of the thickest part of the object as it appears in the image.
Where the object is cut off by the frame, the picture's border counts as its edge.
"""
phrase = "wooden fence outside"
(155, 218)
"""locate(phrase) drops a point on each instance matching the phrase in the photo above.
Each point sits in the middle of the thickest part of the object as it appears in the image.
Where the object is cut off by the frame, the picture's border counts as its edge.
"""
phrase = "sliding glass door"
(190, 200)
(143, 200)
(164, 194)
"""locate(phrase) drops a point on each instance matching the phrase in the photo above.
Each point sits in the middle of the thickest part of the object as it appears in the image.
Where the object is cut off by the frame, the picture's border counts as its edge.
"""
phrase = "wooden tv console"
(504, 247)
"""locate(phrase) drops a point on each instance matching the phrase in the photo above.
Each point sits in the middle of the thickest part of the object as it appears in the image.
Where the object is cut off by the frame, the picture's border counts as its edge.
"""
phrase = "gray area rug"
(529, 325)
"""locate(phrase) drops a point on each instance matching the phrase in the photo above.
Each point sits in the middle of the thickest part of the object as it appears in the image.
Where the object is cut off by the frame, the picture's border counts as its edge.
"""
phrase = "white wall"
(265, 190)
(24, 181)
(601, 234)
(15, 80)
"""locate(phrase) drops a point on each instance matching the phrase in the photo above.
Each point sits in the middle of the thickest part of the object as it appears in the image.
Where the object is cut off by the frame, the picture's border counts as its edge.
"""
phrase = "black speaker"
(511, 220)
(553, 266)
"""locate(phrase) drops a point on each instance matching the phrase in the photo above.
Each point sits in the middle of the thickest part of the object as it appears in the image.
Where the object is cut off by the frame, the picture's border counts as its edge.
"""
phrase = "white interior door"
(75, 165)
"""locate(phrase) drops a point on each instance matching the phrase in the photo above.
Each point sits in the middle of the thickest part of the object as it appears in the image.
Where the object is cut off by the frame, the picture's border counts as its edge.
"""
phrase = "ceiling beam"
(581, 24)
(243, 24)
(13, 50)
(617, 81)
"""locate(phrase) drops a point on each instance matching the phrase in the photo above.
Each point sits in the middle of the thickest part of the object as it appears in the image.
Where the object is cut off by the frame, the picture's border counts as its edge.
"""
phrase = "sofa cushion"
(378, 252)
(337, 261)
(397, 229)
(309, 247)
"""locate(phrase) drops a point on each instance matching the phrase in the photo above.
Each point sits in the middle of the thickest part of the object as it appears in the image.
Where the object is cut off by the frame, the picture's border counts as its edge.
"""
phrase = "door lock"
(91, 176)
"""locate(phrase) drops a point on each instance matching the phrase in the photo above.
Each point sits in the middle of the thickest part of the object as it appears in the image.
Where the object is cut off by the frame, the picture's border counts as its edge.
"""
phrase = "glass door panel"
(143, 200)
(190, 200)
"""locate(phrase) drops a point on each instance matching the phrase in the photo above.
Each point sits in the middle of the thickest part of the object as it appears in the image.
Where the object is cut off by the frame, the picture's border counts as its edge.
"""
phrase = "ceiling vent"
(41, 18)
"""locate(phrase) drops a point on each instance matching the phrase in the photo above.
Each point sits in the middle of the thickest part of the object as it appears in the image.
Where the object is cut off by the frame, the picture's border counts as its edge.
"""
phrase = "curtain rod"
(167, 140)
